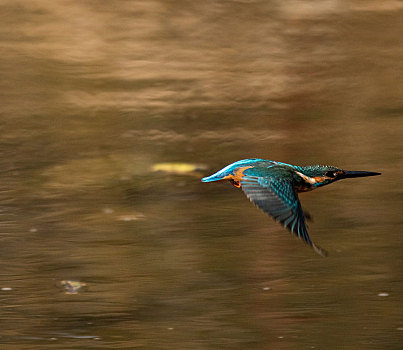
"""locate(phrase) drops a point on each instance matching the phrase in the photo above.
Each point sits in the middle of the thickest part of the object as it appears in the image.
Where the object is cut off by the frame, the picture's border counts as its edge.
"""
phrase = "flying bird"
(274, 186)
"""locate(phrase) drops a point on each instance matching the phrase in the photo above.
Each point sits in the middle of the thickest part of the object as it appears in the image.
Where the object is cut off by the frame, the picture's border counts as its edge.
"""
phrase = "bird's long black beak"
(348, 174)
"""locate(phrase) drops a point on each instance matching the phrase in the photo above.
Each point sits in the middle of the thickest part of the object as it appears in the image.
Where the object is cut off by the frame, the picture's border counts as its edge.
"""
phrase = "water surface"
(94, 94)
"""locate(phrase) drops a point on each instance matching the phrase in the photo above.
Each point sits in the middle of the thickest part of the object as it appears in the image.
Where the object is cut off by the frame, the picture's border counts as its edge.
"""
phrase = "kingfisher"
(274, 186)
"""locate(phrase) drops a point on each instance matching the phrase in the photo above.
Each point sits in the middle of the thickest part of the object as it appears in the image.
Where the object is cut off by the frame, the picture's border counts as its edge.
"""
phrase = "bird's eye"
(330, 174)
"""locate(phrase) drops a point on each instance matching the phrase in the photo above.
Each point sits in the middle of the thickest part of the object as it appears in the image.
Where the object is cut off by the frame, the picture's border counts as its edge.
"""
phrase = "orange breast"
(238, 175)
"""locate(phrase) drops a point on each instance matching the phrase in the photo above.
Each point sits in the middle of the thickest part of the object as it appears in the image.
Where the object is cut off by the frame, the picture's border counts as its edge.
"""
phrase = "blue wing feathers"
(278, 198)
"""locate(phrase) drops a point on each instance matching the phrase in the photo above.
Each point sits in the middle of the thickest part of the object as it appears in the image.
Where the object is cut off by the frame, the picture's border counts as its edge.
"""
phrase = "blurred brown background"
(98, 249)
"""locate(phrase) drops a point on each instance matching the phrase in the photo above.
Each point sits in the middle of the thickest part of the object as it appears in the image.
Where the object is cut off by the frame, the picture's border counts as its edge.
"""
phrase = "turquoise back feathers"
(230, 169)
(274, 186)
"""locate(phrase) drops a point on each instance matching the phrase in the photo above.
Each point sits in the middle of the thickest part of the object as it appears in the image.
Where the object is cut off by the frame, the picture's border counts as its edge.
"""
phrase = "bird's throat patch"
(307, 179)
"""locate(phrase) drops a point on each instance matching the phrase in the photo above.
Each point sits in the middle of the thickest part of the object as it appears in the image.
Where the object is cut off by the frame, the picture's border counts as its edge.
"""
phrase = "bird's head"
(321, 175)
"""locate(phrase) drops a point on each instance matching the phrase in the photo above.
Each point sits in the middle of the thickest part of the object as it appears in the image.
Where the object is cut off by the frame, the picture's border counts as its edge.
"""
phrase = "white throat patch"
(307, 179)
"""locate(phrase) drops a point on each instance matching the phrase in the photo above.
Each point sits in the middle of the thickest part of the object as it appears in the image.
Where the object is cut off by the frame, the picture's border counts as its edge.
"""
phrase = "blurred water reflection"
(94, 94)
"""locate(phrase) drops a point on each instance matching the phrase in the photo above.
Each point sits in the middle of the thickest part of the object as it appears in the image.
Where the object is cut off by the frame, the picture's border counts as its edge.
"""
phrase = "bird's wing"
(277, 197)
